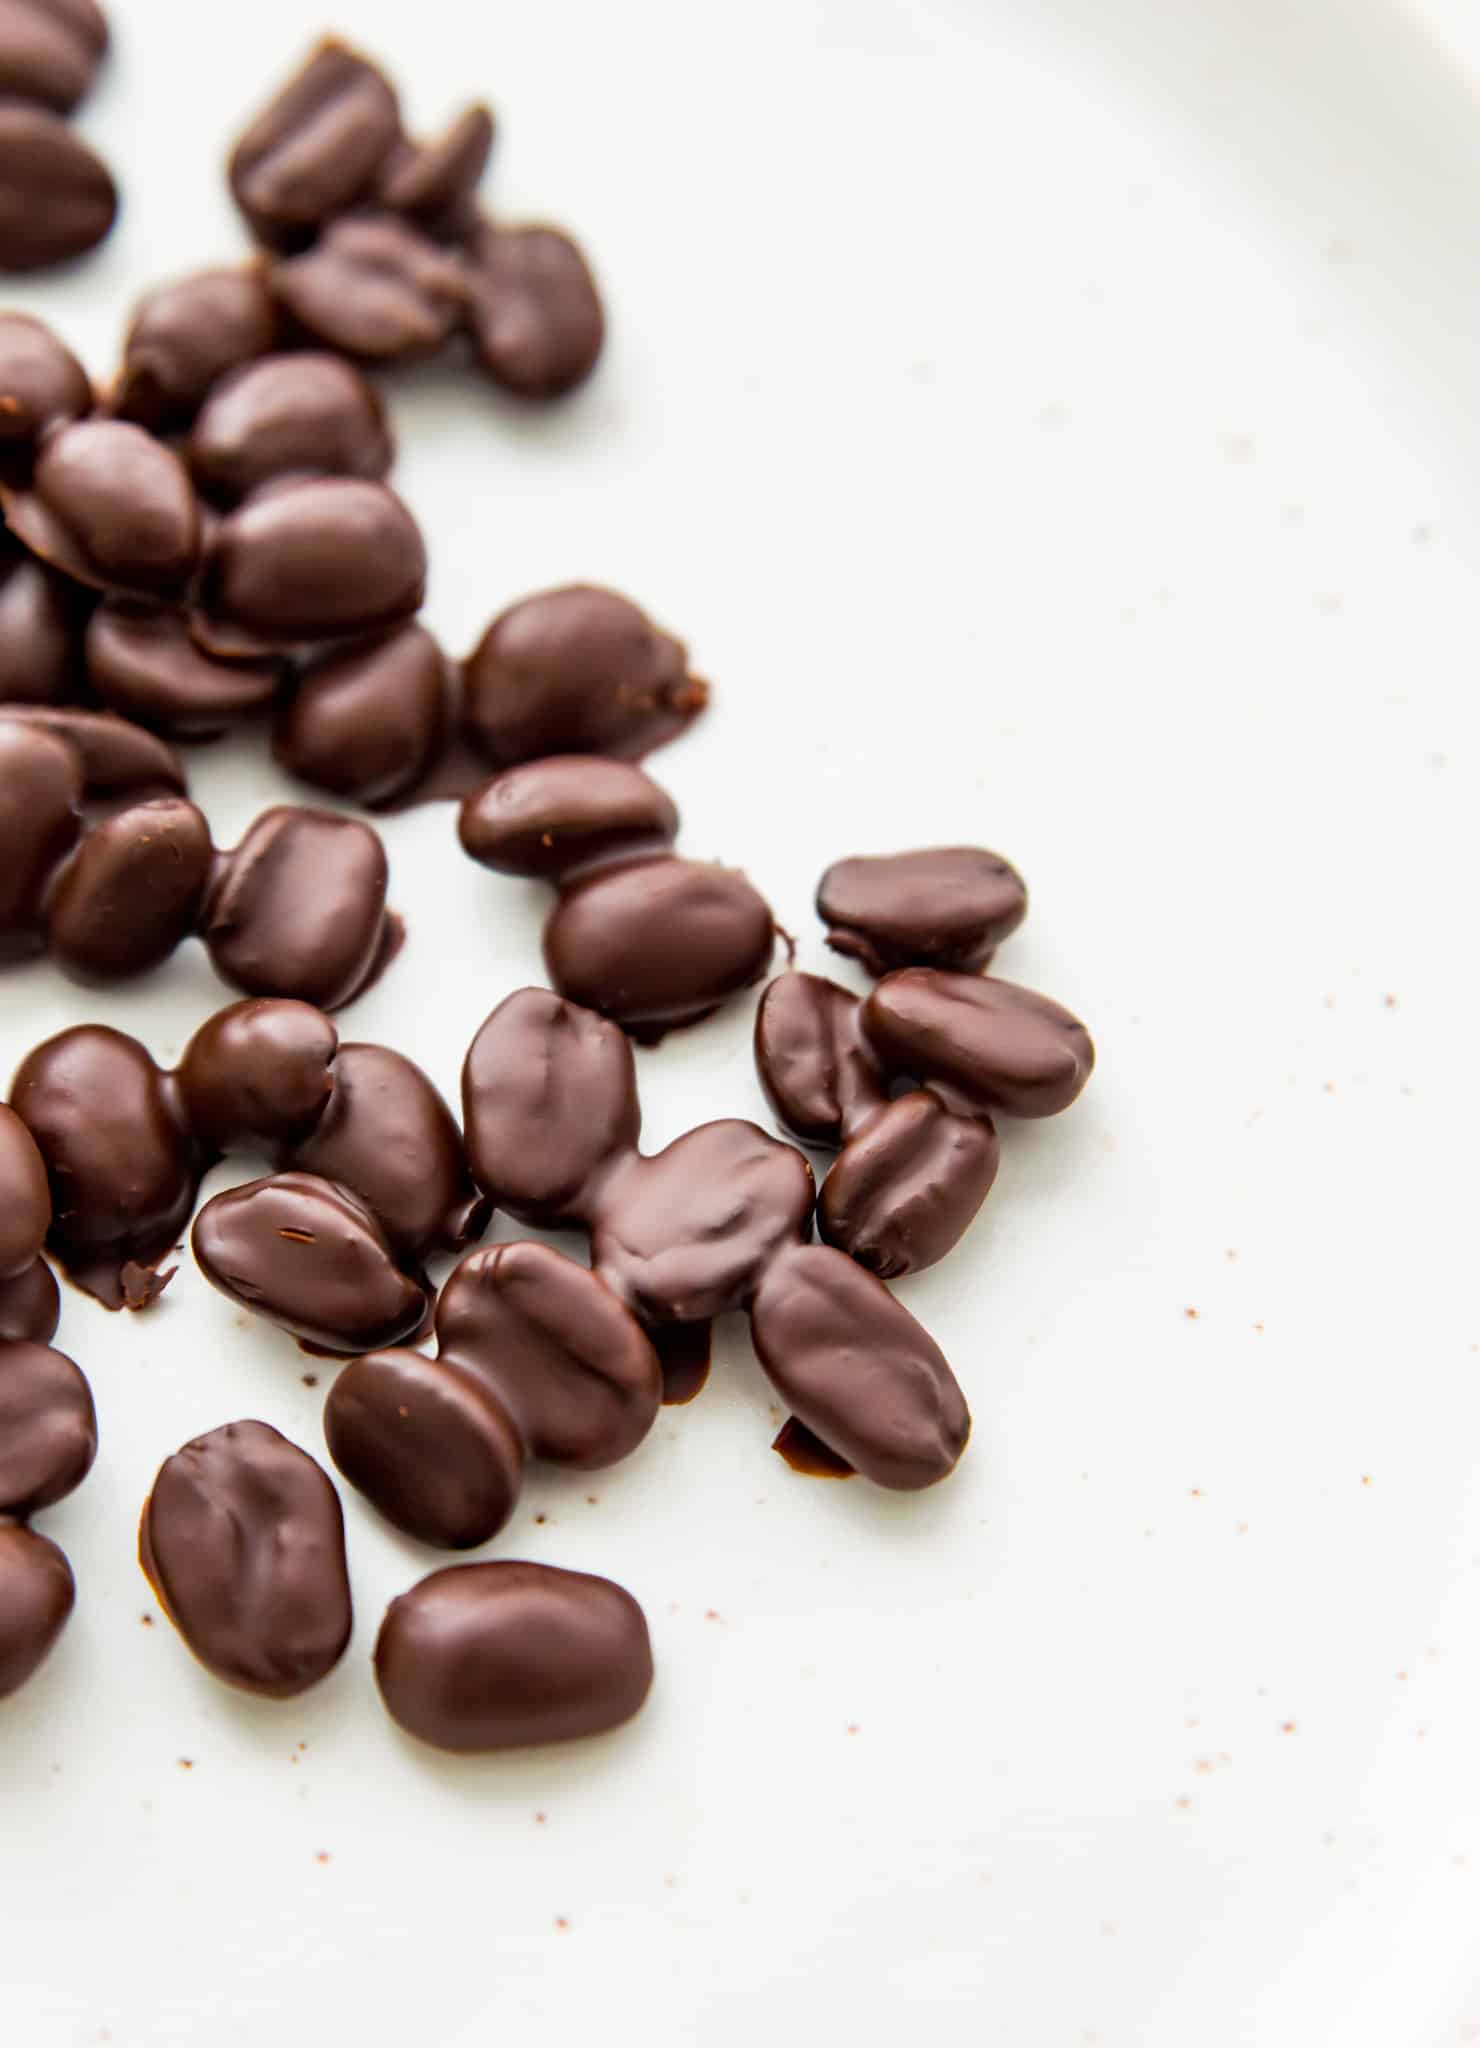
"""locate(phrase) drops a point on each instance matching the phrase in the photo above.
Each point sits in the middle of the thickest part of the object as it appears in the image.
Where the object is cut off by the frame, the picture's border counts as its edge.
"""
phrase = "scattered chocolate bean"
(577, 670)
(503, 1655)
(435, 182)
(857, 1369)
(115, 758)
(312, 1258)
(979, 1043)
(242, 1539)
(533, 309)
(42, 620)
(131, 892)
(316, 148)
(906, 1185)
(36, 1597)
(187, 335)
(30, 1306)
(25, 1197)
(550, 818)
(42, 384)
(142, 663)
(41, 789)
(110, 506)
(814, 1063)
(949, 907)
(368, 724)
(285, 415)
(259, 1073)
(50, 50)
(375, 287)
(57, 199)
(48, 1428)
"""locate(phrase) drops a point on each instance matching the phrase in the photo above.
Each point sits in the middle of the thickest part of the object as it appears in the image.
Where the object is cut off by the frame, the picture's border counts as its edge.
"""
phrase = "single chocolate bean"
(115, 757)
(387, 1136)
(50, 50)
(816, 1067)
(858, 1370)
(184, 337)
(981, 1044)
(316, 148)
(286, 415)
(435, 182)
(30, 1306)
(312, 1258)
(686, 1234)
(502, 1655)
(533, 309)
(36, 1597)
(25, 1196)
(48, 1428)
(41, 788)
(546, 819)
(131, 892)
(948, 907)
(57, 200)
(42, 619)
(368, 724)
(549, 1105)
(242, 1539)
(298, 909)
(577, 671)
(427, 1444)
(112, 507)
(260, 1072)
(42, 384)
(142, 663)
(375, 287)
(658, 943)
(906, 1185)
(118, 1155)
(304, 562)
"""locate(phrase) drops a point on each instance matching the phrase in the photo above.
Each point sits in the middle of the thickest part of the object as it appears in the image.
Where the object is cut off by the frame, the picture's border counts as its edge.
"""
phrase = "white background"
(1054, 425)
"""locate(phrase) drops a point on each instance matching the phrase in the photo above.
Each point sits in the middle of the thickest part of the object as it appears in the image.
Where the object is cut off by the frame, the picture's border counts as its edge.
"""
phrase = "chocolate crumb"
(562, 1923)
(539, 1820)
(146, 1620)
(322, 1856)
(310, 1379)
(187, 1763)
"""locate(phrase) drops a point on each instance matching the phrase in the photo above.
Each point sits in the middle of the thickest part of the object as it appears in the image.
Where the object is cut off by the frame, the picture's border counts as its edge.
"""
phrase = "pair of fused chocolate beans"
(57, 196)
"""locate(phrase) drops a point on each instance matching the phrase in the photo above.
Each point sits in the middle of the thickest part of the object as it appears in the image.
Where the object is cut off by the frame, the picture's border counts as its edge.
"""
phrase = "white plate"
(1054, 426)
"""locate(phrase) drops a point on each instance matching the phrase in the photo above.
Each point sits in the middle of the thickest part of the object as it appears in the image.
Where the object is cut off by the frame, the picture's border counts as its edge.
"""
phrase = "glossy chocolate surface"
(369, 723)
(316, 147)
(50, 50)
(48, 1428)
(904, 1188)
(184, 337)
(533, 309)
(546, 819)
(41, 786)
(112, 507)
(30, 1305)
(143, 664)
(36, 1597)
(507, 1654)
(42, 384)
(948, 906)
(288, 415)
(435, 182)
(816, 1067)
(57, 199)
(114, 758)
(258, 1073)
(242, 1539)
(42, 618)
(375, 287)
(985, 1044)
(131, 892)
(25, 1196)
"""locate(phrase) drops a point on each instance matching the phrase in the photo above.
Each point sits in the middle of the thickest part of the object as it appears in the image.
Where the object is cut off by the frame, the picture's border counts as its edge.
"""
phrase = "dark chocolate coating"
(42, 617)
(115, 758)
(312, 1258)
(25, 1197)
(816, 1067)
(658, 943)
(435, 182)
(30, 1306)
(950, 906)
(545, 819)
(387, 1136)
(242, 1539)
(427, 1444)
(131, 892)
(577, 670)
(142, 663)
(57, 199)
(286, 415)
(988, 1044)
(316, 148)
(50, 50)
(36, 1596)
(533, 309)
(549, 1105)
(40, 789)
(906, 1185)
(298, 909)
(258, 1073)
(118, 1156)
(369, 723)
(858, 1370)
(375, 287)
(686, 1234)
(48, 1428)
(112, 507)
(185, 336)
(42, 384)
(318, 559)
(502, 1655)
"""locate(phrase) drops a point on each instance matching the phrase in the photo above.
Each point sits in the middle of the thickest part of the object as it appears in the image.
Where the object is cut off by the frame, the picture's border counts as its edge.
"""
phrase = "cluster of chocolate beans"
(57, 198)
(48, 1427)
(297, 909)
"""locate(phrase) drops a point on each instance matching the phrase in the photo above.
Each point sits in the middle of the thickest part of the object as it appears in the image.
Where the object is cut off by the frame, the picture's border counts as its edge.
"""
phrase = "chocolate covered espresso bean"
(50, 50)
(312, 1258)
(114, 757)
(57, 199)
(369, 723)
(41, 789)
(48, 1428)
(533, 309)
(503, 1655)
(25, 1196)
(288, 414)
(131, 892)
(980, 1043)
(30, 1305)
(143, 664)
(950, 907)
(434, 183)
(42, 619)
(112, 507)
(260, 1072)
(375, 287)
(816, 1067)
(184, 337)
(242, 1539)
(42, 384)
(572, 811)
(316, 148)
(904, 1188)
(36, 1598)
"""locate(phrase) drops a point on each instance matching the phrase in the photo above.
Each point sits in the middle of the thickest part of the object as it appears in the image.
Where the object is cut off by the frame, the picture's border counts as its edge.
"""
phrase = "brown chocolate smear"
(112, 507)
(185, 336)
(48, 1428)
(982, 1044)
(369, 723)
(533, 309)
(143, 664)
(42, 384)
(816, 1067)
(808, 1454)
(36, 1596)
(949, 906)
(503, 1655)
(547, 819)
(50, 50)
(306, 413)
(905, 1187)
(685, 1352)
(374, 287)
(57, 199)
(316, 148)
